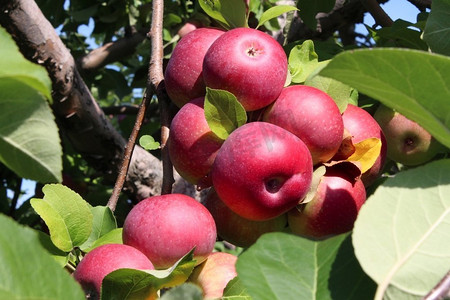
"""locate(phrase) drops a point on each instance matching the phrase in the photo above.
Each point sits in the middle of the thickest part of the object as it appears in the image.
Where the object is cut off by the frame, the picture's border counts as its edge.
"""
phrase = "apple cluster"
(297, 166)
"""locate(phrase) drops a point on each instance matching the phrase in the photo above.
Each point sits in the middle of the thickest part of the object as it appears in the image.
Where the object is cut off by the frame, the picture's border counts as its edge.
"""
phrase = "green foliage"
(29, 139)
(437, 29)
(148, 142)
(223, 112)
(235, 290)
(137, 284)
(284, 266)
(183, 292)
(303, 60)
(412, 82)
(28, 271)
(407, 220)
(274, 12)
(103, 223)
(230, 13)
(309, 10)
(67, 215)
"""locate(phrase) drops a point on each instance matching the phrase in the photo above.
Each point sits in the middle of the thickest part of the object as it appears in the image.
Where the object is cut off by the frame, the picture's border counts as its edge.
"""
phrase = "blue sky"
(396, 9)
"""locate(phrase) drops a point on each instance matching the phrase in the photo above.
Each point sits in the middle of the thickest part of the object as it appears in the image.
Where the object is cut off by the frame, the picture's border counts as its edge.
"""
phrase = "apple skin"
(261, 171)
(407, 142)
(183, 75)
(214, 274)
(248, 63)
(105, 259)
(235, 229)
(361, 125)
(188, 27)
(192, 145)
(333, 210)
(313, 116)
(167, 227)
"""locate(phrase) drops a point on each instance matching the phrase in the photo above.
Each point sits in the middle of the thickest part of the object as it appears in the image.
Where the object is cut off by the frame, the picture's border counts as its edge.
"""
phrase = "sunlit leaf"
(366, 153)
(275, 12)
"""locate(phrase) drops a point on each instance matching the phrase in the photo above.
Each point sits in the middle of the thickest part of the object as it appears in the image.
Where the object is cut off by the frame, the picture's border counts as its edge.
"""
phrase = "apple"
(248, 63)
(408, 143)
(235, 229)
(214, 274)
(361, 125)
(188, 27)
(334, 208)
(192, 145)
(183, 75)
(261, 171)
(167, 227)
(313, 116)
(105, 259)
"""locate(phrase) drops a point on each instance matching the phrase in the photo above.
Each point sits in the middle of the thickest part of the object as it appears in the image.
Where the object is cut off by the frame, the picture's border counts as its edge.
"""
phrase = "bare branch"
(380, 16)
(422, 5)
(441, 290)
(156, 82)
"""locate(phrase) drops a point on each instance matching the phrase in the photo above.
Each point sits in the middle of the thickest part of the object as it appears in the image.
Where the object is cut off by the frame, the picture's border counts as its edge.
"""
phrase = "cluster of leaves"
(399, 246)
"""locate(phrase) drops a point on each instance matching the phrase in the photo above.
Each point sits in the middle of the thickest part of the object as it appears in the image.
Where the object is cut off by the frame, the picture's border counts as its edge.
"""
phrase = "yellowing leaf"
(366, 153)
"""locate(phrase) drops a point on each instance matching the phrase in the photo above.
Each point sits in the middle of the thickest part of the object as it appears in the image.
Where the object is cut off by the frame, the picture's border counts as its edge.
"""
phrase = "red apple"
(361, 125)
(235, 229)
(188, 27)
(407, 142)
(313, 116)
(105, 259)
(214, 274)
(261, 171)
(248, 63)
(167, 227)
(192, 145)
(183, 75)
(334, 208)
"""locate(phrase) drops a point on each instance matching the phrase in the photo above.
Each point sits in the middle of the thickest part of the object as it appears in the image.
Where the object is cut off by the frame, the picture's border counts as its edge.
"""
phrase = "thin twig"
(441, 290)
(377, 12)
(156, 81)
(112, 202)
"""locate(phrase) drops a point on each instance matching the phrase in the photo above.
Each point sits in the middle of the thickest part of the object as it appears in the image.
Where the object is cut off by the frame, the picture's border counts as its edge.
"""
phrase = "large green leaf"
(29, 139)
(27, 270)
(309, 10)
(415, 83)
(14, 66)
(274, 12)
(137, 284)
(284, 266)
(230, 13)
(437, 29)
(401, 235)
(66, 214)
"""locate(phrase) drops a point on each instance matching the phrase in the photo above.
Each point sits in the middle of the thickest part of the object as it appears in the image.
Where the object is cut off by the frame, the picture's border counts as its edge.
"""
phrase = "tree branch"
(380, 16)
(441, 290)
(111, 52)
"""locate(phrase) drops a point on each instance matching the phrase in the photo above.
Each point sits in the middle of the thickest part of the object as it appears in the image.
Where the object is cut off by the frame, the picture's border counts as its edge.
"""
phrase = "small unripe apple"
(192, 145)
(235, 229)
(248, 63)
(334, 208)
(105, 259)
(214, 274)
(167, 227)
(183, 75)
(262, 171)
(407, 142)
(313, 116)
(361, 125)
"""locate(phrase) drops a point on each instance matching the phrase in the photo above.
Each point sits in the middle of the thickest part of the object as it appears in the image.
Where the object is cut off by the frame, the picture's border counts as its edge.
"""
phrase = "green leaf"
(230, 13)
(60, 257)
(414, 83)
(112, 237)
(223, 112)
(15, 67)
(303, 60)
(186, 291)
(148, 142)
(309, 10)
(66, 214)
(401, 233)
(29, 138)
(437, 28)
(400, 35)
(285, 266)
(103, 222)
(137, 284)
(28, 271)
(235, 290)
(274, 12)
